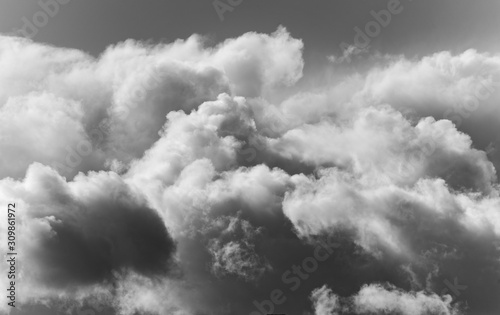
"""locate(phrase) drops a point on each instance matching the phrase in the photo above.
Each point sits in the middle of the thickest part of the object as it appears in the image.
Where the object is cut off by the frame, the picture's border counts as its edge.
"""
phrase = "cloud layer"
(180, 178)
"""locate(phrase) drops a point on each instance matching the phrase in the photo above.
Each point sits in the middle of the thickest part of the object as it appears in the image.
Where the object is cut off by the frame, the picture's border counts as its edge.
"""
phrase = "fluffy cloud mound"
(113, 107)
(179, 178)
(377, 299)
(37, 111)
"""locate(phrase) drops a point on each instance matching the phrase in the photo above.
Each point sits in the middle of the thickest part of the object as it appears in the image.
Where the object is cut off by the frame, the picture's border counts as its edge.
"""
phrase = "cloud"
(83, 233)
(375, 299)
(38, 111)
(176, 178)
(325, 302)
(237, 257)
(254, 62)
(116, 104)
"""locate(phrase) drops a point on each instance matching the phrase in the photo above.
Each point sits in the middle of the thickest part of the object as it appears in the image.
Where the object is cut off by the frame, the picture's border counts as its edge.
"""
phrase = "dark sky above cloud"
(165, 176)
(423, 26)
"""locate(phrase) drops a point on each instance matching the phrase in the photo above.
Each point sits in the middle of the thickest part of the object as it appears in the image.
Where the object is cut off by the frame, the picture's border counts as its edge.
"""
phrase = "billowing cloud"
(180, 178)
(114, 106)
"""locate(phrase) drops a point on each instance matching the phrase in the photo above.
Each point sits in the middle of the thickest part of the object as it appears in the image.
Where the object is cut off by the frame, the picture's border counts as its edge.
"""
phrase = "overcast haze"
(251, 157)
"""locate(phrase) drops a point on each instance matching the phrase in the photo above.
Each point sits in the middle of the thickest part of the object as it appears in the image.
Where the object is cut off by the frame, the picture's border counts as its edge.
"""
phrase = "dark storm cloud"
(101, 237)
(90, 231)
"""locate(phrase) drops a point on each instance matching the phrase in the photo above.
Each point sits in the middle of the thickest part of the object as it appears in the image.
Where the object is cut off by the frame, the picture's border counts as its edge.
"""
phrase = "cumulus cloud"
(36, 111)
(117, 103)
(154, 176)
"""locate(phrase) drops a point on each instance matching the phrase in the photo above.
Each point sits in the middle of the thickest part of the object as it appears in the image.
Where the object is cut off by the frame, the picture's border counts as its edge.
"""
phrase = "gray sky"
(422, 27)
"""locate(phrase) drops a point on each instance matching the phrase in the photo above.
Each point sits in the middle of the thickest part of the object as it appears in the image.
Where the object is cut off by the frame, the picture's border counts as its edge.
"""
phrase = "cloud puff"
(325, 302)
(37, 111)
(237, 257)
(376, 299)
(387, 143)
